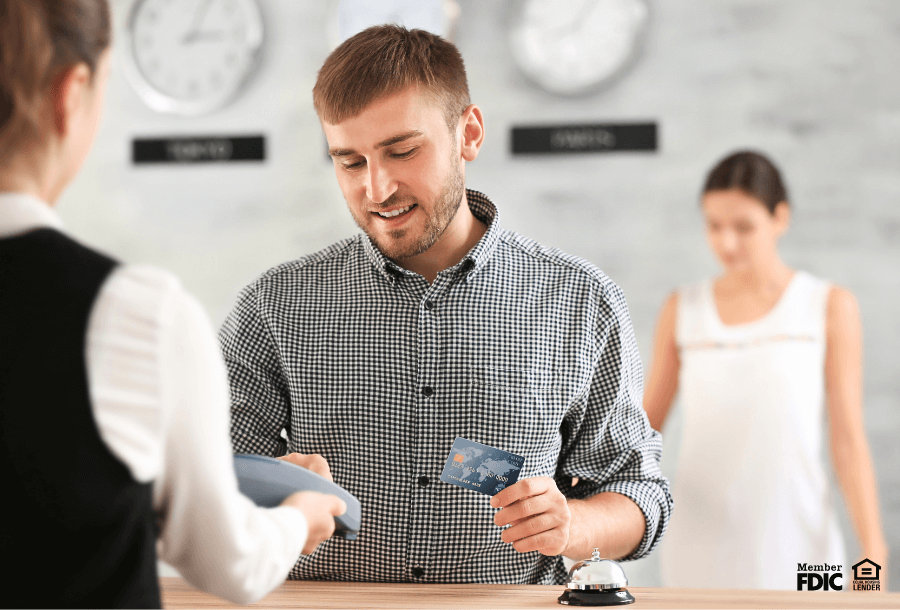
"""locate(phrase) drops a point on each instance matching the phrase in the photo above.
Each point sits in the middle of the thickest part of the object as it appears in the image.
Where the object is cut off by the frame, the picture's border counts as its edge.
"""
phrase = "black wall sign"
(201, 149)
(567, 139)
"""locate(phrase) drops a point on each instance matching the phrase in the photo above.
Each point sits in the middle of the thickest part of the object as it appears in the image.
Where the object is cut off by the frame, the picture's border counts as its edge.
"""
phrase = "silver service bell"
(596, 582)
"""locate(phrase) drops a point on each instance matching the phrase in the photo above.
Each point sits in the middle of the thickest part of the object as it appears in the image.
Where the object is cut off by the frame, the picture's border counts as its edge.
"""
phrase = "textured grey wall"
(813, 82)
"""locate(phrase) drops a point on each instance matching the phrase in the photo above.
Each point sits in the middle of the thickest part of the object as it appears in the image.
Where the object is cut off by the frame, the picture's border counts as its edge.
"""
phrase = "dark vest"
(77, 529)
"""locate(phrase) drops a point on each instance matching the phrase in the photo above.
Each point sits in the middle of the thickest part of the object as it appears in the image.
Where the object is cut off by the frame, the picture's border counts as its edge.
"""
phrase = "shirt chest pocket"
(518, 410)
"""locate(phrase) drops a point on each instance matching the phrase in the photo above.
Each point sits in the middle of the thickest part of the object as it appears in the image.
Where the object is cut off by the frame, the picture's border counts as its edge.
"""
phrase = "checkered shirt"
(518, 346)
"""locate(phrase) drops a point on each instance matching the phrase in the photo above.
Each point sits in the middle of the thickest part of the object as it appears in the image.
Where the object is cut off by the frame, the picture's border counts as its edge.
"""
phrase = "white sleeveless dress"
(752, 498)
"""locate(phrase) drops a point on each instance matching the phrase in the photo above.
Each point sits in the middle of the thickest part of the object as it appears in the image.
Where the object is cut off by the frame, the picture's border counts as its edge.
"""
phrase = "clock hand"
(194, 30)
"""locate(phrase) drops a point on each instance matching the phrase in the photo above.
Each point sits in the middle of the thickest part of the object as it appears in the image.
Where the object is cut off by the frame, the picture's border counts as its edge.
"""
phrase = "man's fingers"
(523, 489)
(537, 514)
(522, 509)
(548, 543)
(531, 527)
(547, 533)
(312, 461)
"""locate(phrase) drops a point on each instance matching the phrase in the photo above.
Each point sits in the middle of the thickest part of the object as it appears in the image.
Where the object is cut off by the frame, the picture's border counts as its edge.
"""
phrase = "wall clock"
(191, 57)
(571, 48)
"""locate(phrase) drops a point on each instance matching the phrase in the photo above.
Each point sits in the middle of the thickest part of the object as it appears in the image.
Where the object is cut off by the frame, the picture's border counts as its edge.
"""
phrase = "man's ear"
(68, 94)
(472, 132)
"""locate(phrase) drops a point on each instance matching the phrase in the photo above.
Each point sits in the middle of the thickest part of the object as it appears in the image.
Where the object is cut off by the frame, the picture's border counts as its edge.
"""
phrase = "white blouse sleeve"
(160, 396)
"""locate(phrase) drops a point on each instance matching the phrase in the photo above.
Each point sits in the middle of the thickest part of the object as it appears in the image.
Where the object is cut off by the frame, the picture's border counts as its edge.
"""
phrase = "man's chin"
(399, 248)
(399, 252)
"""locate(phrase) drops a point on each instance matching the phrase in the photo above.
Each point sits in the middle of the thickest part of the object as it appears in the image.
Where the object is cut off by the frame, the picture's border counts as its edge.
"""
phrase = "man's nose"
(379, 183)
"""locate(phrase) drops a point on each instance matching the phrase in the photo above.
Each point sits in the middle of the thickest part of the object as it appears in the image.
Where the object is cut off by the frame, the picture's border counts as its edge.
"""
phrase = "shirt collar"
(483, 209)
(21, 213)
(388, 268)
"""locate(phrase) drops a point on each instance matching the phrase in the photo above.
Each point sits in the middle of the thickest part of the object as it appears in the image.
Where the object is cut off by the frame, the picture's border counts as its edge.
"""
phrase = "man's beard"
(444, 210)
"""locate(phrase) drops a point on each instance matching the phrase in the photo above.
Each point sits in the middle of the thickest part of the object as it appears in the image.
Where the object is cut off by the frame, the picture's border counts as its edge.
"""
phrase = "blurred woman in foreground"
(768, 363)
(113, 395)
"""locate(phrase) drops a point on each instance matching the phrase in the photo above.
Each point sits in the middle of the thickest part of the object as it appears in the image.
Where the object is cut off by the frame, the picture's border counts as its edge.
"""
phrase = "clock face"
(192, 56)
(572, 47)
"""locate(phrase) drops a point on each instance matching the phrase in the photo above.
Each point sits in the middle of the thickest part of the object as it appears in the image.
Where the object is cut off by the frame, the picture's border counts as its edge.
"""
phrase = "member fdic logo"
(819, 577)
(867, 576)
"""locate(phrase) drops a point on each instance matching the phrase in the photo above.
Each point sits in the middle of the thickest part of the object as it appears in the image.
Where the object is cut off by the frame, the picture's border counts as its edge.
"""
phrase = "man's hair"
(387, 59)
(38, 39)
(751, 172)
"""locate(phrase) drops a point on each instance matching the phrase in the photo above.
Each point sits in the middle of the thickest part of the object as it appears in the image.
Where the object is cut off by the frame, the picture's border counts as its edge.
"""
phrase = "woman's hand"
(320, 511)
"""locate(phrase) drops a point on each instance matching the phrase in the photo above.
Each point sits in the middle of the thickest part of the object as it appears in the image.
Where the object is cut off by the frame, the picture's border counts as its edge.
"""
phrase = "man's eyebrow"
(340, 152)
(346, 152)
(399, 138)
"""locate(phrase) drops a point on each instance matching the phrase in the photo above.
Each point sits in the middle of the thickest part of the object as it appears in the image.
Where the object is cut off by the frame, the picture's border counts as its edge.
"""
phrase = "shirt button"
(424, 481)
(418, 572)
(427, 391)
(429, 305)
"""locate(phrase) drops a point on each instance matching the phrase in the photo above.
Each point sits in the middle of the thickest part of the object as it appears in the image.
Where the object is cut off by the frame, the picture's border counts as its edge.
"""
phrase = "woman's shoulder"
(810, 279)
(822, 302)
(834, 293)
(819, 290)
(842, 306)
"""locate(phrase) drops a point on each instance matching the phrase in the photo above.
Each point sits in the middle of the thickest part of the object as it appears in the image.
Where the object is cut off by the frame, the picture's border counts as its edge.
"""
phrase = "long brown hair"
(386, 59)
(38, 39)
(751, 172)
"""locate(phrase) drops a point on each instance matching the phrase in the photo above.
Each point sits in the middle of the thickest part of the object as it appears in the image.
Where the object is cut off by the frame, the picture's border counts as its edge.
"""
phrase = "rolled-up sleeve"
(609, 445)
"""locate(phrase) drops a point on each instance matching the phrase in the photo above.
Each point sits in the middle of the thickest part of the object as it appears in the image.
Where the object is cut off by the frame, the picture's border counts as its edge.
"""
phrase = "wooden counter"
(176, 593)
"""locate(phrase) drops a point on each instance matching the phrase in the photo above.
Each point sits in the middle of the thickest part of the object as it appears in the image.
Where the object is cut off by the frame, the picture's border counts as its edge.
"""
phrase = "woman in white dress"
(768, 364)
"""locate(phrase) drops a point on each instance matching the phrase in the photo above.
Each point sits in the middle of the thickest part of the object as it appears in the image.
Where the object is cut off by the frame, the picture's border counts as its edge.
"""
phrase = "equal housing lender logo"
(827, 577)
(866, 576)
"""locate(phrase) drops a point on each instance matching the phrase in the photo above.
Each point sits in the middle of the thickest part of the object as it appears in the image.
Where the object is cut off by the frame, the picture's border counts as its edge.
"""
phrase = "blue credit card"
(481, 467)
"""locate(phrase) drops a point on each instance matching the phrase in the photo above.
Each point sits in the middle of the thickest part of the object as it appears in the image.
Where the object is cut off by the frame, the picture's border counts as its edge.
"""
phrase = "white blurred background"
(811, 82)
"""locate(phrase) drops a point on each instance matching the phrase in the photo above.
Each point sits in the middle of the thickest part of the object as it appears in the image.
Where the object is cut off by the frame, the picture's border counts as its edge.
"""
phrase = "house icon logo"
(866, 576)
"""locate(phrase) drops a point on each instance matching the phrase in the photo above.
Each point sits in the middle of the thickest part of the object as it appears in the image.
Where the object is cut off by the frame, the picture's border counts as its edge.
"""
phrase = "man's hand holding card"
(538, 515)
(536, 511)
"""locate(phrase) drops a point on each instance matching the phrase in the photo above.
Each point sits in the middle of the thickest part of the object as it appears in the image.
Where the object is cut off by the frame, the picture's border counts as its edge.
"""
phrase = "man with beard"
(366, 360)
